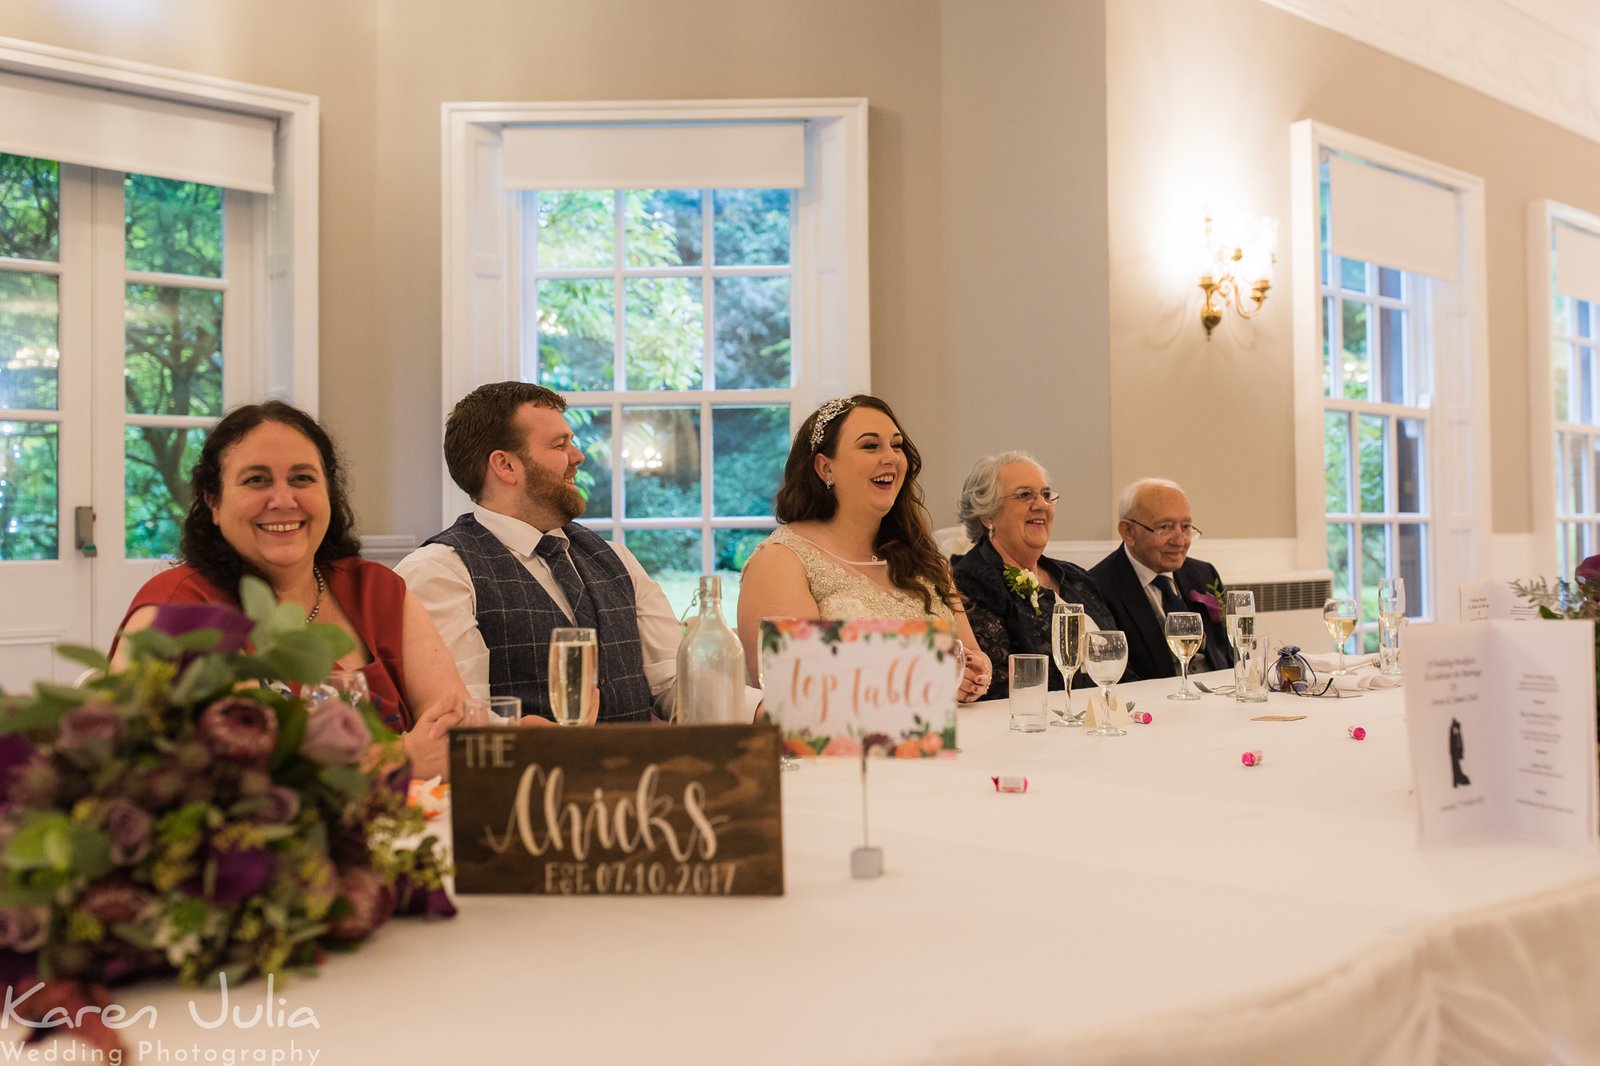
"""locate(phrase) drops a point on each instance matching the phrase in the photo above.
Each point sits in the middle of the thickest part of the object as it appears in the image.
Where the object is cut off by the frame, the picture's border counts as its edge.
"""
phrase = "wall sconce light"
(1236, 257)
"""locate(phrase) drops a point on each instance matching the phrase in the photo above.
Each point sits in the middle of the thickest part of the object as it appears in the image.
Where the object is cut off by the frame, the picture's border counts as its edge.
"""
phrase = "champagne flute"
(1185, 630)
(1105, 657)
(1340, 616)
(1391, 615)
(1066, 646)
(1241, 607)
(574, 658)
(347, 686)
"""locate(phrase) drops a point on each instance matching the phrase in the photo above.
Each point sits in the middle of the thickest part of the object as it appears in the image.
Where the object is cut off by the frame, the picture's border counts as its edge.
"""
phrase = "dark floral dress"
(1005, 623)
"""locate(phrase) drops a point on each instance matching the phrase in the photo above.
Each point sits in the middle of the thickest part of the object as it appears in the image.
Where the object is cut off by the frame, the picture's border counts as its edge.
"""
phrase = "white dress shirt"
(1151, 592)
(438, 577)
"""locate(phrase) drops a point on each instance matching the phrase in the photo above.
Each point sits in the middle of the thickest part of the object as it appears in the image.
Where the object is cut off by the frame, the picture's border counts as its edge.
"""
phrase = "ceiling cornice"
(1494, 46)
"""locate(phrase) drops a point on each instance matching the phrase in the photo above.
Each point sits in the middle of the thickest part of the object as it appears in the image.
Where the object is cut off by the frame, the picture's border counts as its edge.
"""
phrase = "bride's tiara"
(825, 414)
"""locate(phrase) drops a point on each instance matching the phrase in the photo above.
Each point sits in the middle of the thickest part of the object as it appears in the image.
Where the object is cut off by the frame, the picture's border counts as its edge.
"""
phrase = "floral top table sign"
(873, 687)
(178, 817)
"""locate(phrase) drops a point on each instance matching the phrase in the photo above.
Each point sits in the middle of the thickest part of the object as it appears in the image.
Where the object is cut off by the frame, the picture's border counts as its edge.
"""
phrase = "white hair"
(980, 496)
(1132, 493)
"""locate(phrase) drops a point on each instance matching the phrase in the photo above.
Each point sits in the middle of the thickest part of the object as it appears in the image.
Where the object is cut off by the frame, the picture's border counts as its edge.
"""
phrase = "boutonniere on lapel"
(1211, 599)
(1022, 583)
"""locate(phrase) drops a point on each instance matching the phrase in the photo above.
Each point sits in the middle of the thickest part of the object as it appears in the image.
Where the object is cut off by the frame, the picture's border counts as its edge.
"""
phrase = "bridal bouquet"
(179, 817)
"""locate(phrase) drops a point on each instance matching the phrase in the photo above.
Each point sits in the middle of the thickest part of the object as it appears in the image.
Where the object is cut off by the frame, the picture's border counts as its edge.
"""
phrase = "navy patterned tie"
(1169, 594)
(553, 550)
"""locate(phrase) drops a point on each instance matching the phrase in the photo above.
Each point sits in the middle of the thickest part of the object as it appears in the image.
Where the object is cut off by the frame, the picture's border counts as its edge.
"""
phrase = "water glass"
(1250, 668)
(346, 686)
(1105, 658)
(491, 710)
(1030, 693)
(574, 659)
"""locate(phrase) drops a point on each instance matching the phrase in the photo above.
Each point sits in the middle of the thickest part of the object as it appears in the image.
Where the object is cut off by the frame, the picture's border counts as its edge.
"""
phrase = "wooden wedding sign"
(620, 810)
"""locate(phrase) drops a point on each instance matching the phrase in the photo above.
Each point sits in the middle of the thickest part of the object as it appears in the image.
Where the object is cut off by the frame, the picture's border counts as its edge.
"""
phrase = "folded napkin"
(1364, 680)
(1367, 677)
(1328, 663)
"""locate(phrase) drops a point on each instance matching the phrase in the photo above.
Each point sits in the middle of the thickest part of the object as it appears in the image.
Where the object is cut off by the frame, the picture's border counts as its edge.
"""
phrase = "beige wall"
(1200, 97)
(1017, 147)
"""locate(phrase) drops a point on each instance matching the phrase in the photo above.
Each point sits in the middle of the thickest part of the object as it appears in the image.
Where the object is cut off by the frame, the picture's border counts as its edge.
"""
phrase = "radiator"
(1289, 606)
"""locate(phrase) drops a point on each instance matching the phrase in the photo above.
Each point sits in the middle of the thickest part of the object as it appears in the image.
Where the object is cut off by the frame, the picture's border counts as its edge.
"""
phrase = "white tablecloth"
(1149, 900)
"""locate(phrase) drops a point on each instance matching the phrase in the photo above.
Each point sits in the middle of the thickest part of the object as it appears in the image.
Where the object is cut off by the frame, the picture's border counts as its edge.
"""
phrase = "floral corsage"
(1211, 599)
(1022, 583)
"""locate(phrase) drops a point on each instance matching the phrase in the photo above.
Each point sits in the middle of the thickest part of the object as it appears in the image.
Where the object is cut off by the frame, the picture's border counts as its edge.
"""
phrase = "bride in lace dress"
(855, 540)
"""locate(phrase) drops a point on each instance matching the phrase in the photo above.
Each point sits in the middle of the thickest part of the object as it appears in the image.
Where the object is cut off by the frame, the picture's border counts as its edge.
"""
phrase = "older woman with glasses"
(1010, 586)
(1152, 574)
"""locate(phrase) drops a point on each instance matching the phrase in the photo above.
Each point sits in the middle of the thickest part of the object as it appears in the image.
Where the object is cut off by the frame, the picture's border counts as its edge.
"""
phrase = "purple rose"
(371, 900)
(129, 827)
(239, 875)
(176, 619)
(239, 730)
(15, 752)
(1588, 570)
(416, 901)
(89, 724)
(336, 735)
(160, 786)
(111, 902)
(278, 806)
(23, 928)
(36, 783)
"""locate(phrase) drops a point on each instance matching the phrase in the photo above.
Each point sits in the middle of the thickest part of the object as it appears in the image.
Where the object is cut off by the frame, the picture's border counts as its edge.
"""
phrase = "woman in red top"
(269, 500)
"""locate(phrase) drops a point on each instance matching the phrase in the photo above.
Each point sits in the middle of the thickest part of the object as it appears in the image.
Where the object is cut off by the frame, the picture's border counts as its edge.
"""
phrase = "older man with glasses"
(1152, 575)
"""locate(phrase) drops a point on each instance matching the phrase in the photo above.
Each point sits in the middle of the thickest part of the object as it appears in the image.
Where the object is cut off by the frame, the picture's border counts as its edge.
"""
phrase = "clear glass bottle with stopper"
(710, 684)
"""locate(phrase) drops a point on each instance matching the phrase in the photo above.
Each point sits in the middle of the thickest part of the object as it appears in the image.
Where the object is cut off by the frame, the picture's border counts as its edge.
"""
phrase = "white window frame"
(1458, 462)
(1542, 218)
(830, 322)
(286, 288)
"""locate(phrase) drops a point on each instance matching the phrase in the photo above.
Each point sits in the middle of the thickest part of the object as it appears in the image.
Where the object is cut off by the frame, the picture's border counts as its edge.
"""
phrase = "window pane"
(1339, 537)
(1356, 369)
(1594, 476)
(748, 448)
(173, 227)
(665, 333)
(733, 548)
(172, 349)
(661, 462)
(1561, 314)
(1583, 385)
(662, 227)
(1408, 468)
(156, 483)
(30, 206)
(1567, 538)
(577, 331)
(1560, 371)
(28, 503)
(1375, 566)
(1572, 499)
(1392, 349)
(1373, 431)
(672, 557)
(577, 230)
(752, 345)
(1584, 327)
(29, 314)
(591, 428)
(1353, 275)
(1336, 461)
(751, 227)
(1413, 564)
(1327, 347)
(1389, 282)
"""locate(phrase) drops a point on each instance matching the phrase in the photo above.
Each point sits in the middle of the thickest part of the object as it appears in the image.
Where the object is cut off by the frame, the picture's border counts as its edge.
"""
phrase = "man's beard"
(547, 490)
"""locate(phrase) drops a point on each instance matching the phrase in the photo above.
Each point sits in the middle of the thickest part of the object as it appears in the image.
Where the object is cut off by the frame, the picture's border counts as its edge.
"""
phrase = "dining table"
(1148, 899)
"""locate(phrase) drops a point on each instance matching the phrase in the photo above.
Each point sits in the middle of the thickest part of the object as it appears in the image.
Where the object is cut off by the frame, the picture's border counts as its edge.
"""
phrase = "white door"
(119, 295)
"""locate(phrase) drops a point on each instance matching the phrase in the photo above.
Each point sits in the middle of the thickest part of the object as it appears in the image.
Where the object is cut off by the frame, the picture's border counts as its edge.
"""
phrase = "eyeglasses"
(1027, 496)
(1167, 530)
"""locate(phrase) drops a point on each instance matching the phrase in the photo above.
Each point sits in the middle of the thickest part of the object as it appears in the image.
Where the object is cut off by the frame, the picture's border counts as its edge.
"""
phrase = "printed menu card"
(1501, 719)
